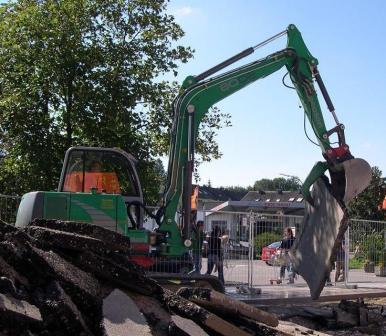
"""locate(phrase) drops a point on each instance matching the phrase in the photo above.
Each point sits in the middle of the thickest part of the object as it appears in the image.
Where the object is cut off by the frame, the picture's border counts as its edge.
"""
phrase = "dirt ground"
(343, 318)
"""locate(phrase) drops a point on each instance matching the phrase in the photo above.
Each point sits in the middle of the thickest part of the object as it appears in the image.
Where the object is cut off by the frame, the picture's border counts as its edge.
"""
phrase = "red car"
(268, 253)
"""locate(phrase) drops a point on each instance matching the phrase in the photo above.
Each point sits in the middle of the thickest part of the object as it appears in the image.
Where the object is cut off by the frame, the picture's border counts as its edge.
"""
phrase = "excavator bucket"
(358, 177)
(324, 225)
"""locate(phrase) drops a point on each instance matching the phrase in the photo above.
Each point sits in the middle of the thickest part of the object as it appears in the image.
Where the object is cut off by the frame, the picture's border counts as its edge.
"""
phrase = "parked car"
(269, 253)
(237, 250)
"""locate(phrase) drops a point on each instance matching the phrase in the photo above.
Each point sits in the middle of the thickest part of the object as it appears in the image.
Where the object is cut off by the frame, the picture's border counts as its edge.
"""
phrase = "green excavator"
(101, 186)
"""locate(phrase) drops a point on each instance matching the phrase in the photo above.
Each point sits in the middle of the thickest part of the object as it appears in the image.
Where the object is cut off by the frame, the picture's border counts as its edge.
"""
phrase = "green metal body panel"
(200, 96)
(106, 210)
(138, 236)
(56, 205)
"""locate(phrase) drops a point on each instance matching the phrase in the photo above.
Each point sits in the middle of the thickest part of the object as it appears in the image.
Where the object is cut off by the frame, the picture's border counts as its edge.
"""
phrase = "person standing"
(198, 240)
(285, 245)
(225, 246)
(340, 261)
(328, 277)
(215, 254)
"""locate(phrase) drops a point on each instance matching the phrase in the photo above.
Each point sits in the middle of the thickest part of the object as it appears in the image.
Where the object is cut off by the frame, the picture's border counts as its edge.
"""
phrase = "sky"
(267, 137)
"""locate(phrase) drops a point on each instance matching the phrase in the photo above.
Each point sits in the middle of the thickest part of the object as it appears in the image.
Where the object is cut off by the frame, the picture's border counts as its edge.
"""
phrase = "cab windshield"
(105, 172)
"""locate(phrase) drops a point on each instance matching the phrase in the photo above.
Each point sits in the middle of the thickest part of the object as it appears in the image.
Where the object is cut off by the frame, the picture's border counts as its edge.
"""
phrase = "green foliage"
(372, 245)
(239, 189)
(155, 172)
(278, 183)
(367, 204)
(381, 258)
(264, 239)
(87, 72)
(356, 263)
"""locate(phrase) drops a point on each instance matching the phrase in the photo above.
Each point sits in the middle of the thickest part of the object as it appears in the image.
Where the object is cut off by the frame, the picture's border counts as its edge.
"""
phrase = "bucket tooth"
(324, 225)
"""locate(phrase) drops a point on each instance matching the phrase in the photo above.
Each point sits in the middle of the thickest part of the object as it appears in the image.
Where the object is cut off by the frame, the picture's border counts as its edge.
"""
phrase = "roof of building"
(219, 194)
(209, 204)
(266, 201)
(273, 196)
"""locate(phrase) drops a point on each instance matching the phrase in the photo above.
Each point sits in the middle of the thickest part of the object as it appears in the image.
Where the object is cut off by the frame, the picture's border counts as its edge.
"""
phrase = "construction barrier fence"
(8, 208)
(250, 247)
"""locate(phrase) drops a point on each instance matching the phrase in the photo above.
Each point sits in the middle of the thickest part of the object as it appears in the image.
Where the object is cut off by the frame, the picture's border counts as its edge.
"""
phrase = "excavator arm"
(199, 93)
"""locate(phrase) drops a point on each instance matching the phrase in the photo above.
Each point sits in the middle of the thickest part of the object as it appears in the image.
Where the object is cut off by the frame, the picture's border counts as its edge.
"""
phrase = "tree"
(86, 72)
(367, 204)
(209, 184)
(278, 183)
(154, 171)
(238, 189)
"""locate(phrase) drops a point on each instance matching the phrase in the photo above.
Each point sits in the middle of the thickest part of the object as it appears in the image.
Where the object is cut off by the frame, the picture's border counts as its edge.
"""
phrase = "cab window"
(106, 172)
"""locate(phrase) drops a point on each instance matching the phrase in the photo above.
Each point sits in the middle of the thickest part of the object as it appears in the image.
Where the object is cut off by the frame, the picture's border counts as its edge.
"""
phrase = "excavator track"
(176, 280)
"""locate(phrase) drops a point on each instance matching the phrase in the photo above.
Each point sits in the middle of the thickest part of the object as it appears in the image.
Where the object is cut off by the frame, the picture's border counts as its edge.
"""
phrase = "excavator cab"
(97, 186)
(103, 171)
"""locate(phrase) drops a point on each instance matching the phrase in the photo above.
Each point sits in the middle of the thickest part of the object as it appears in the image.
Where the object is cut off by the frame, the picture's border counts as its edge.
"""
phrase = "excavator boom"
(349, 176)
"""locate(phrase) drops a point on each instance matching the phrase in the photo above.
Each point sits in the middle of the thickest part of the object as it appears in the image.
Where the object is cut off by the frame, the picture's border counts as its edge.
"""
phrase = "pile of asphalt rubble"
(68, 278)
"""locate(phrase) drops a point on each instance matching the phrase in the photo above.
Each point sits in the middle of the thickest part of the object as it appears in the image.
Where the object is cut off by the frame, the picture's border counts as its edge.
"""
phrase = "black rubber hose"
(157, 217)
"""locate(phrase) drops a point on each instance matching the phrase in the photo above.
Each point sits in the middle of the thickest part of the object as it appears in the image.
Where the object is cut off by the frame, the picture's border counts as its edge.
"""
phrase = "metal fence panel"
(366, 251)
(247, 257)
(8, 208)
(360, 259)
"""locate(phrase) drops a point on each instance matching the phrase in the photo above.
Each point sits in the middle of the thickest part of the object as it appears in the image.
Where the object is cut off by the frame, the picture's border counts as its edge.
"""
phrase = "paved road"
(236, 271)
